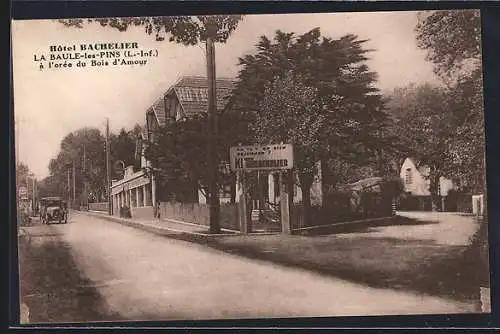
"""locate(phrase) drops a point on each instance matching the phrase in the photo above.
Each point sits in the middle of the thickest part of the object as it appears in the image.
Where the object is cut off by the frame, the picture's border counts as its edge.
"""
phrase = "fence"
(200, 213)
(458, 202)
(454, 202)
(343, 207)
(414, 203)
(102, 206)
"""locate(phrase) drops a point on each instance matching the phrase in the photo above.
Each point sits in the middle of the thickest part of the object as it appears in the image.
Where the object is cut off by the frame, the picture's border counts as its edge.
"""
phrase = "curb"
(164, 231)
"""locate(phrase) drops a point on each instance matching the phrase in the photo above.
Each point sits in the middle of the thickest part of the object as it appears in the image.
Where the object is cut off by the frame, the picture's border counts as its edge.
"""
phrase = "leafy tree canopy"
(452, 39)
(87, 142)
(336, 70)
(187, 30)
(179, 153)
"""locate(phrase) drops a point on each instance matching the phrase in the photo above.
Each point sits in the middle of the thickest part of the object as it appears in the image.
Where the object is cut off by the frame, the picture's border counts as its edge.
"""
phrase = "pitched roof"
(159, 110)
(192, 93)
(144, 132)
(422, 169)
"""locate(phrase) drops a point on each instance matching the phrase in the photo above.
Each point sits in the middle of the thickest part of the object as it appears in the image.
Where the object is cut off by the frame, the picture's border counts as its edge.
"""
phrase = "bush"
(392, 186)
(478, 254)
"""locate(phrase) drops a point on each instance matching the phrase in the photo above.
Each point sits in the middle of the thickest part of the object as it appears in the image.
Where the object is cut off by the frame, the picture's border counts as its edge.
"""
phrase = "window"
(408, 176)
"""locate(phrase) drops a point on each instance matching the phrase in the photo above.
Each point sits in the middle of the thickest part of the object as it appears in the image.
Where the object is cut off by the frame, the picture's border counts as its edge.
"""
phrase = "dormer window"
(408, 176)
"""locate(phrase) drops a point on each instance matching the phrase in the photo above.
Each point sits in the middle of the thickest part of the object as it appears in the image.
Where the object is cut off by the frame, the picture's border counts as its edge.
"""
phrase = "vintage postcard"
(250, 166)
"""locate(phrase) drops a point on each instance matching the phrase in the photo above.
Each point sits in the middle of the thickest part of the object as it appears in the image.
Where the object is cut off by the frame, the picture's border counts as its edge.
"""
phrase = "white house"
(416, 179)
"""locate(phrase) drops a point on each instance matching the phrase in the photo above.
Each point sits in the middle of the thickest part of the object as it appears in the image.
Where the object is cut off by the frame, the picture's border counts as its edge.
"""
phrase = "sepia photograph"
(250, 166)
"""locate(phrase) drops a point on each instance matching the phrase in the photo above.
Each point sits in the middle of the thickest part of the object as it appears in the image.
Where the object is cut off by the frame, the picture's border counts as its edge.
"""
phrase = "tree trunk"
(434, 190)
(325, 180)
(290, 182)
(306, 181)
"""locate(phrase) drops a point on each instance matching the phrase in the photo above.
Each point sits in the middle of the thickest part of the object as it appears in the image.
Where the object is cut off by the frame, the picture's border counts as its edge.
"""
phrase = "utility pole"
(108, 169)
(74, 183)
(213, 192)
(69, 185)
(85, 198)
(33, 192)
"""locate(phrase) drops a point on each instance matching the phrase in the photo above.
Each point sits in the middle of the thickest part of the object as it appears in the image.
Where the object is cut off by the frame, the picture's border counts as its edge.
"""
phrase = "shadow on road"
(52, 286)
(368, 226)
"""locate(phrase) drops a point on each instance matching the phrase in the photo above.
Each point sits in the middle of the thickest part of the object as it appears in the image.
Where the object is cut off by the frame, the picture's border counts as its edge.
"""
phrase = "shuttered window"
(408, 176)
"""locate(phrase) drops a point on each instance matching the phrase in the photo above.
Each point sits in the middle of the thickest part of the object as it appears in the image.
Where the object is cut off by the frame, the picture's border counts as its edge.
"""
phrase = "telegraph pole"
(85, 199)
(33, 192)
(74, 183)
(69, 185)
(212, 132)
(108, 169)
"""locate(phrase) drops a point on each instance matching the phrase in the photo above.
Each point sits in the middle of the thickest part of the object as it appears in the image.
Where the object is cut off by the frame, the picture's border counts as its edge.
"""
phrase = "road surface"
(443, 228)
(142, 276)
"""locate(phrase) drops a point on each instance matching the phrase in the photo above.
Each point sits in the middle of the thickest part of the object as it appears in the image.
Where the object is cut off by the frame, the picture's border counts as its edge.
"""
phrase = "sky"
(50, 103)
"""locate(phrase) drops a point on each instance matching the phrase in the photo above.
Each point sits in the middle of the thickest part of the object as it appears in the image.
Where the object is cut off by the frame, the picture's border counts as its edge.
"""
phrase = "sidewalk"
(164, 226)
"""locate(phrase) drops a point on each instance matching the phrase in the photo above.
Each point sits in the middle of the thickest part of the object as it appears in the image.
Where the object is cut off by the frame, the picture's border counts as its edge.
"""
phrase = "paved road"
(141, 276)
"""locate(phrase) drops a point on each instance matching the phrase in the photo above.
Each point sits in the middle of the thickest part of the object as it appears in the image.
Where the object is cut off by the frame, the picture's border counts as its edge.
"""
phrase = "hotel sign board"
(261, 157)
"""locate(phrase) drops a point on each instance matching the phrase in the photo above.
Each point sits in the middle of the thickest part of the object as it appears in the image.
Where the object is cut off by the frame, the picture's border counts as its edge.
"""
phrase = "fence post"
(285, 207)
(243, 205)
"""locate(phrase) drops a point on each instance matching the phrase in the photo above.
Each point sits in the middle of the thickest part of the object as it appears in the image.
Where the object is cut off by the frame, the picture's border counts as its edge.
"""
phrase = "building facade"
(416, 183)
(134, 191)
(186, 98)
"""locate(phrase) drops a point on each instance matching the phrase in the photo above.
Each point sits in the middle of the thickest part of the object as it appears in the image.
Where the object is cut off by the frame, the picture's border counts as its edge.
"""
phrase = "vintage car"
(53, 209)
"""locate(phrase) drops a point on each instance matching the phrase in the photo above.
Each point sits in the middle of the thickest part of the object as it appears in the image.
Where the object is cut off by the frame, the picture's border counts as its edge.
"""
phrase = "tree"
(425, 124)
(72, 153)
(124, 148)
(453, 41)
(467, 147)
(49, 186)
(178, 151)
(291, 112)
(186, 30)
(352, 131)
